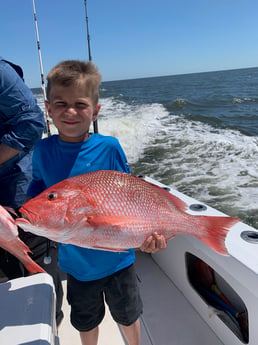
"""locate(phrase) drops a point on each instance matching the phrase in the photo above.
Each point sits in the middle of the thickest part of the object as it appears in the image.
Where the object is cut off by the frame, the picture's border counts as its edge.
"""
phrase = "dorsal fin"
(180, 204)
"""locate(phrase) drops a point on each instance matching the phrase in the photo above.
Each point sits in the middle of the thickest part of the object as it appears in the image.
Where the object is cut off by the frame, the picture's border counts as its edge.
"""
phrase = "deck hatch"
(220, 296)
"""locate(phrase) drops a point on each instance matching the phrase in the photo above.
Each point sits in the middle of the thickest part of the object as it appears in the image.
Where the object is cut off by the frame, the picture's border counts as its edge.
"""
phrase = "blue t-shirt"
(53, 161)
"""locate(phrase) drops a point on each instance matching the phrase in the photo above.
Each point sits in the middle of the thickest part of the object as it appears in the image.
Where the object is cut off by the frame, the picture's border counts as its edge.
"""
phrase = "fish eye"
(52, 196)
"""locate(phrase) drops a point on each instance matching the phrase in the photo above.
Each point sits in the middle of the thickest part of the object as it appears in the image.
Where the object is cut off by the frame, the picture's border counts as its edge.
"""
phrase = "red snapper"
(112, 210)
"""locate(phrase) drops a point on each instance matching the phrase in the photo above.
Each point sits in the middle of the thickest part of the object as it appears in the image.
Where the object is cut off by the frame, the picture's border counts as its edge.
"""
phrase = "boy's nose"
(71, 110)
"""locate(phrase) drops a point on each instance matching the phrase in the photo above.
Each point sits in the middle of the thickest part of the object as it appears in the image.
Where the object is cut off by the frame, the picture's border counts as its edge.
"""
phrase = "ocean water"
(197, 133)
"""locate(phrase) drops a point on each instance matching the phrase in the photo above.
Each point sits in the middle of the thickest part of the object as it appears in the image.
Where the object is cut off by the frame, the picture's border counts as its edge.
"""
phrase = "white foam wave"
(243, 100)
(212, 164)
(134, 126)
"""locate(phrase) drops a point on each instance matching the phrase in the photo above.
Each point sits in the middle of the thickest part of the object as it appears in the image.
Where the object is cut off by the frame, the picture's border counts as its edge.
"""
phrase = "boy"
(72, 94)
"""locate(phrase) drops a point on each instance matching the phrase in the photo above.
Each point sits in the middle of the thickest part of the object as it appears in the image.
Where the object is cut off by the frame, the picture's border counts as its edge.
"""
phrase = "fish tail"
(27, 261)
(216, 229)
(19, 249)
(32, 266)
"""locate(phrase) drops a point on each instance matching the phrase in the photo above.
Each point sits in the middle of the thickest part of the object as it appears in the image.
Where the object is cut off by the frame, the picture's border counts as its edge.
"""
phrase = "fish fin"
(33, 267)
(21, 250)
(216, 229)
(180, 204)
(19, 221)
(118, 221)
(26, 249)
(10, 210)
(24, 224)
(28, 262)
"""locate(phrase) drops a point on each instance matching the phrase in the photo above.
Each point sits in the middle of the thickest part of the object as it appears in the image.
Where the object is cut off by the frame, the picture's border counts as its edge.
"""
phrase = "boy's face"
(72, 111)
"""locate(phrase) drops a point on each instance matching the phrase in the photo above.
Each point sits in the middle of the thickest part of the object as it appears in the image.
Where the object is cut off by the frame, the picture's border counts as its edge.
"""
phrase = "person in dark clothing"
(21, 125)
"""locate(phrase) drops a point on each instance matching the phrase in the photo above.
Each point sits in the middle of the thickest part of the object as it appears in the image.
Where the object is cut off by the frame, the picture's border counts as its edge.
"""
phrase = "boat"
(191, 294)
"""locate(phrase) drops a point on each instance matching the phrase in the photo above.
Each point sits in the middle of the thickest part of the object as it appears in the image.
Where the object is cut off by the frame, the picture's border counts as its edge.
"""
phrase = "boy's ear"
(96, 111)
(48, 108)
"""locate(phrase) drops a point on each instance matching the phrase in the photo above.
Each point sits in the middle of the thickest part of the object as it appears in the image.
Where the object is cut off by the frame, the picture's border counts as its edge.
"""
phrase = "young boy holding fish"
(73, 93)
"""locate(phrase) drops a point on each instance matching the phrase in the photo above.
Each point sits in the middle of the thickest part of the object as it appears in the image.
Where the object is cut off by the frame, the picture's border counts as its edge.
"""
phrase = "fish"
(114, 211)
(10, 241)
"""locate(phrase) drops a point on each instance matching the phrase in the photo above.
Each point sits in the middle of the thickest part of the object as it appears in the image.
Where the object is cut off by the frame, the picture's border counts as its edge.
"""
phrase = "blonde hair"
(75, 72)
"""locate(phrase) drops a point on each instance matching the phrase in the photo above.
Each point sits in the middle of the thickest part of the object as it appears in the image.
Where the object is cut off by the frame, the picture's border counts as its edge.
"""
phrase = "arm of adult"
(6, 153)
(21, 119)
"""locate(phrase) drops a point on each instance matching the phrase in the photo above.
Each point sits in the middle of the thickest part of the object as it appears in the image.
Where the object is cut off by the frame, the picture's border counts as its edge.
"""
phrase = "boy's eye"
(60, 104)
(81, 105)
(78, 105)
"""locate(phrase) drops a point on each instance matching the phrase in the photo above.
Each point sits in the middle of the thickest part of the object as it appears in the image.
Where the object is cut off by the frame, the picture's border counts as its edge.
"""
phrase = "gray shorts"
(120, 291)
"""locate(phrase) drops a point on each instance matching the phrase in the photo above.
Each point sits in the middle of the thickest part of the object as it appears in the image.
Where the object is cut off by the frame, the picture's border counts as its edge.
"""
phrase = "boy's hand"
(154, 243)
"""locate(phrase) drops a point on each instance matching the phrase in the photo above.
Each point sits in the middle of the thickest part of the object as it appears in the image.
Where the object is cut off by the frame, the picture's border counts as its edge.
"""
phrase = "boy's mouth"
(70, 122)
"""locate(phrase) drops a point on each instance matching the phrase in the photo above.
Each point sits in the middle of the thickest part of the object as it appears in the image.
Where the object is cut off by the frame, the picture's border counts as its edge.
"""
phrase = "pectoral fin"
(116, 221)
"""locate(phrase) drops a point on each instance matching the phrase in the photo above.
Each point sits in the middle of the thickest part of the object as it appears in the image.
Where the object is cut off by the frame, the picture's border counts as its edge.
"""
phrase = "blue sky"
(132, 38)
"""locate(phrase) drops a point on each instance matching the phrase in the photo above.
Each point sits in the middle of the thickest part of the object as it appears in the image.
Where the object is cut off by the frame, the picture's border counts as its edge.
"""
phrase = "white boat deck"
(168, 317)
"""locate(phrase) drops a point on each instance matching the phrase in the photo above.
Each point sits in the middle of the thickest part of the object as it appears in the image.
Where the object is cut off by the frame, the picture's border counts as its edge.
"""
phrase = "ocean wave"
(179, 103)
(238, 100)
(135, 126)
(216, 166)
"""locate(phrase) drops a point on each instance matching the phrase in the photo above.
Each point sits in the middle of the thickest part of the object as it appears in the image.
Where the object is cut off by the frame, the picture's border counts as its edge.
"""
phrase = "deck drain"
(198, 207)
(250, 236)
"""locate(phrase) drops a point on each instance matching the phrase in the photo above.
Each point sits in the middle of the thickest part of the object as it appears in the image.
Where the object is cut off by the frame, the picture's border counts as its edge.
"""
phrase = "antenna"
(41, 69)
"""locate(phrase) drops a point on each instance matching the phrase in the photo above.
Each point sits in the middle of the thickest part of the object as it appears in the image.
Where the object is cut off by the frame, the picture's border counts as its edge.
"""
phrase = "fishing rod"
(41, 69)
(47, 259)
(87, 29)
(95, 123)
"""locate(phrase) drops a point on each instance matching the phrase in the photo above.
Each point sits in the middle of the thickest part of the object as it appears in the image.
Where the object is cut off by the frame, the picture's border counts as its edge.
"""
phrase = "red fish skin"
(10, 241)
(112, 210)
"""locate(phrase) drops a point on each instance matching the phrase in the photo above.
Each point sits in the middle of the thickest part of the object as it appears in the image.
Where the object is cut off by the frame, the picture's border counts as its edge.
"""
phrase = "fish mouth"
(32, 217)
